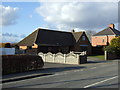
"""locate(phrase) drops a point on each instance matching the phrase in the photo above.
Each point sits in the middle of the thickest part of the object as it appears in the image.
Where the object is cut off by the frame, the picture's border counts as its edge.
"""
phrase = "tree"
(114, 46)
(115, 42)
(90, 33)
(110, 49)
(7, 45)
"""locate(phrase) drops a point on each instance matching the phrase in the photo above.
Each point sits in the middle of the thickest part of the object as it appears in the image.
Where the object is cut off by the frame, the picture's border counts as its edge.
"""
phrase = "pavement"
(50, 69)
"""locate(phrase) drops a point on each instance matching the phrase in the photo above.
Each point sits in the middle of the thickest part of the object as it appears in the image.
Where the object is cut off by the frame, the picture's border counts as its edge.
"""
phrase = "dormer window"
(83, 38)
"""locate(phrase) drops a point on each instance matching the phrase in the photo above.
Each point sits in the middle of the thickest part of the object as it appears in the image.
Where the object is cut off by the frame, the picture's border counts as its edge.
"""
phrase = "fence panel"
(49, 57)
(59, 58)
(70, 58)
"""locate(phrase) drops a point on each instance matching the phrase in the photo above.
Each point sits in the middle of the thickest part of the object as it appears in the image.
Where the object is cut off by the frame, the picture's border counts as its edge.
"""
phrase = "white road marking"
(79, 70)
(100, 82)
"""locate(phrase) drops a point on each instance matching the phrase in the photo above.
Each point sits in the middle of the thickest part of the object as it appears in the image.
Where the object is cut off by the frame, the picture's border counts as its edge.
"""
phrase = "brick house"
(44, 40)
(104, 37)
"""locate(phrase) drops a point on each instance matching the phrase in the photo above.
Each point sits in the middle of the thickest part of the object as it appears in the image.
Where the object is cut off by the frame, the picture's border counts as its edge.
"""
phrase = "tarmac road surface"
(98, 75)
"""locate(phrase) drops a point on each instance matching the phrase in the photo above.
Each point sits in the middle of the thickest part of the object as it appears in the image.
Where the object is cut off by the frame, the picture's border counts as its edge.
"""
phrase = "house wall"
(23, 47)
(64, 49)
(45, 49)
(101, 40)
(26, 47)
(83, 45)
(35, 46)
(32, 51)
(53, 49)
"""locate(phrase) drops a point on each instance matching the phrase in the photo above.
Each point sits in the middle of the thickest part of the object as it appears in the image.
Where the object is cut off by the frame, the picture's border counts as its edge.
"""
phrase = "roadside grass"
(101, 57)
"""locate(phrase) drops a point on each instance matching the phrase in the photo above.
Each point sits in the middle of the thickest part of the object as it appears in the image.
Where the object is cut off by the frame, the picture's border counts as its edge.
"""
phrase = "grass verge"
(101, 57)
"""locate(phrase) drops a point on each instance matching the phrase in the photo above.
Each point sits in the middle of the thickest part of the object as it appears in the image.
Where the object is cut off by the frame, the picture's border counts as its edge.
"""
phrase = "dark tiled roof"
(46, 37)
(116, 32)
(54, 38)
(108, 31)
(29, 40)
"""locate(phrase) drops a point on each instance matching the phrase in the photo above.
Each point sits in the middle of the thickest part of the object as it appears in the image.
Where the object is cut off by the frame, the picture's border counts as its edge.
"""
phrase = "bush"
(97, 50)
(110, 49)
(114, 46)
(115, 42)
(20, 63)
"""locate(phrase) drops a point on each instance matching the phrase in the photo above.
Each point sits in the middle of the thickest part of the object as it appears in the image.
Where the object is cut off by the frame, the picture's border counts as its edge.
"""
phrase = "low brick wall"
(70, 58)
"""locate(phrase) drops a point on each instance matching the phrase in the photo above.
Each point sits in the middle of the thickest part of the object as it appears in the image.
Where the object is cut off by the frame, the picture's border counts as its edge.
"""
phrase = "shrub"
(97, 50)
(20, 63)
(115, 42)
(110, 49)
(114, 46)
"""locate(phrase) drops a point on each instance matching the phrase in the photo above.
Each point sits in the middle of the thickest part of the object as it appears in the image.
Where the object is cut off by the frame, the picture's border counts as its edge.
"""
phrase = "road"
(97, 75)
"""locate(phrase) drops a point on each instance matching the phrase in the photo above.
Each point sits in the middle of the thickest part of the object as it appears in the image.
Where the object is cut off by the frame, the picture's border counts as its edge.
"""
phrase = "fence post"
(44, 57)
(106, 55)
(64, 58)
(53, 57)
(85, 53)
(78, 58)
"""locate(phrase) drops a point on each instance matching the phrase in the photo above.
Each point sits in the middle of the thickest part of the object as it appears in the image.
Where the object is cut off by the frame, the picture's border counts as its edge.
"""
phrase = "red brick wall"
(98, 40)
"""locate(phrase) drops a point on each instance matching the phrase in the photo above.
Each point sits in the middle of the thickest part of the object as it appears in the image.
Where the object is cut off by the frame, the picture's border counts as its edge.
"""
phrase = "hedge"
(20, 63)
(97, 50)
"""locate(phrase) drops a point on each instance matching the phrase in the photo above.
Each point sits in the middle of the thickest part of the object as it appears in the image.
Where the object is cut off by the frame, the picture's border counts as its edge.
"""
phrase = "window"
(29, 47)
(83, 38)
(103, 40)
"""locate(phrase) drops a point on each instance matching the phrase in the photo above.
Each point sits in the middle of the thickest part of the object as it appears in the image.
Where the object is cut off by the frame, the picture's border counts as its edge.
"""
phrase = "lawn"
(101, 57)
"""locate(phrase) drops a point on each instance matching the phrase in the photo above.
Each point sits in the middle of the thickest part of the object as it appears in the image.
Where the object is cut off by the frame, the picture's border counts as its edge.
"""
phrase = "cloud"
(8, 15)
(59, 0)
(79, 0)
(9, 37)
(82, 15)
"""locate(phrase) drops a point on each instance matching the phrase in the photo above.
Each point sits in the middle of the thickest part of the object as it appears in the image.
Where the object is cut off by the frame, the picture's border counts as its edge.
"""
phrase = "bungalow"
(44, 40)
(104, 37)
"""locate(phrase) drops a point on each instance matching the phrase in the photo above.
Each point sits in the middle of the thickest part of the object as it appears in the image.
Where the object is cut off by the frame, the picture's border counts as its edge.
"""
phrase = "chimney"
(73, 31)
(112, 26)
